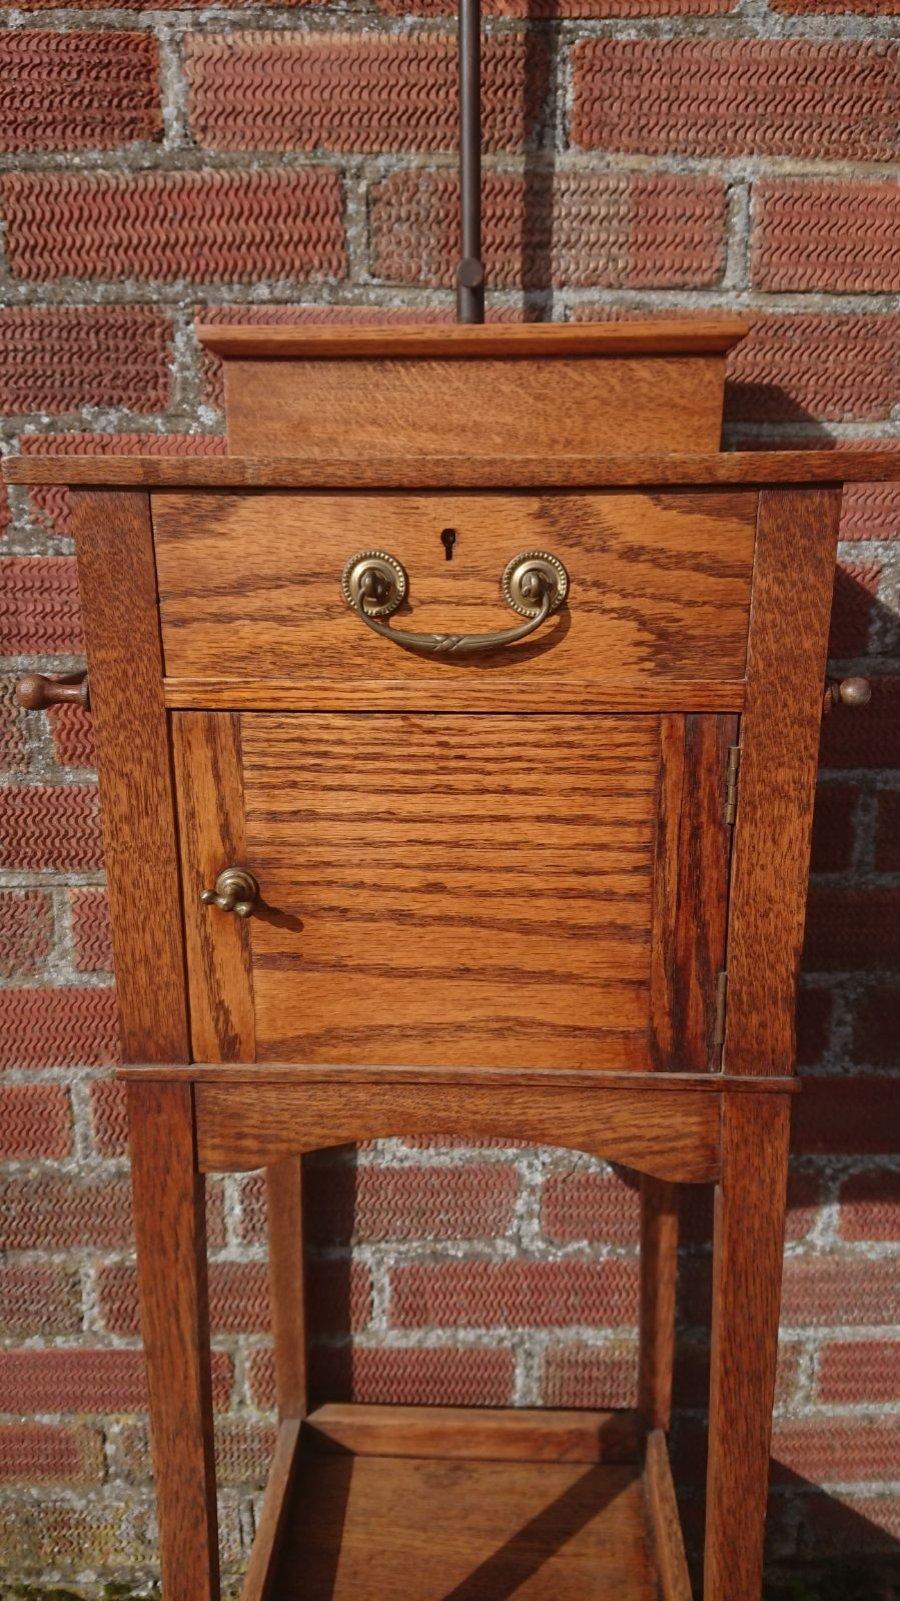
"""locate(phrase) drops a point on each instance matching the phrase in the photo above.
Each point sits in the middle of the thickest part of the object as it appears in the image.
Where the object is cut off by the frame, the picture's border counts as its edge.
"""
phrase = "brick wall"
(644, 156)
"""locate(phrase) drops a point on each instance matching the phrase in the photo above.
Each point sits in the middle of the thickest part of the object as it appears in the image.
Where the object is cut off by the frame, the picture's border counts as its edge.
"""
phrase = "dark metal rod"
(470, 272)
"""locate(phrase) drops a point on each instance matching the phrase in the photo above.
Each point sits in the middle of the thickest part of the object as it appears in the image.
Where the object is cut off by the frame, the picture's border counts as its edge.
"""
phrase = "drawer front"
(509, 891)
(659, 591)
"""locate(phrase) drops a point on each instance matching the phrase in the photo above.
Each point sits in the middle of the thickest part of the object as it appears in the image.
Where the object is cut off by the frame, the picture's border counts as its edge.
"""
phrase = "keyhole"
(448, 540)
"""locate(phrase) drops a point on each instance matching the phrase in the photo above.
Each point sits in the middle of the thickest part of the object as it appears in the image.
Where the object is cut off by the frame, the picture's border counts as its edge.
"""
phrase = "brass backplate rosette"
(389, 572)
(513, 584)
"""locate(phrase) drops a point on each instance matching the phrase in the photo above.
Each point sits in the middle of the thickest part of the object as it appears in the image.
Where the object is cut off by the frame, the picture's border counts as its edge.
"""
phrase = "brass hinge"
(721, 999)
(731, 783)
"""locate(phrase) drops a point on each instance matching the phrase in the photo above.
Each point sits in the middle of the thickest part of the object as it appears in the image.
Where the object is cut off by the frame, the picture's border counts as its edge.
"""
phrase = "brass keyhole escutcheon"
(235, 890)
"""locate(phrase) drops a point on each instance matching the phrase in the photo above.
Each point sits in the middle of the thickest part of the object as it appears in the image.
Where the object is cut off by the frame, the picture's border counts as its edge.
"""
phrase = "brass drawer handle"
(235, 890)
(36, 692)
(374, 584)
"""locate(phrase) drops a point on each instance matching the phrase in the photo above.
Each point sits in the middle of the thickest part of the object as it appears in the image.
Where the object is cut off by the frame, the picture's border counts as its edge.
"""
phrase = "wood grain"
(476, 693)
(209, 786)
(502, 1434)
(118, 601)
(674, 1581)
(546, 471)
(426, 407)
(793, 578)
(658, 1268)
(262, 1569)
(170, 1230)
(657, 337)
(748, 1236)
(671, 1136)
(660, 584)
(497, 1078)
(690, 891)
(284, 1228)
(444, 1531)
(473, 891)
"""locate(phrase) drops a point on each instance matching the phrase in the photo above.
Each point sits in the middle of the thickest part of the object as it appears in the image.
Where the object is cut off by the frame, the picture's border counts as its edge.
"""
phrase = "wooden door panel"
(452, 890)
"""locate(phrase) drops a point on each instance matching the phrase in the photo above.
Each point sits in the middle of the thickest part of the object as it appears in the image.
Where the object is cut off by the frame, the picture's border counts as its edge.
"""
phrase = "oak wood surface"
(690, 890)
(430, 1530)
(170, 1230)
(475, 693)
(498, 1078)
(241, 1126)
(209, 786)
(262, 1568)
(659, 584)
(658, 1265)
(284, 1228)
(748, 1243)
(472, 890)
(641, 470)
(503, 1434)
(427, 407)
(793, 579)
(118, 601)
(668, 1541)
(658, 336)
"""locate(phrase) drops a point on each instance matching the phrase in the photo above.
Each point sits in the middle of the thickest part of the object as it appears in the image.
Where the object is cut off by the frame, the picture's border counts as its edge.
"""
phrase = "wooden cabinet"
(549, 891)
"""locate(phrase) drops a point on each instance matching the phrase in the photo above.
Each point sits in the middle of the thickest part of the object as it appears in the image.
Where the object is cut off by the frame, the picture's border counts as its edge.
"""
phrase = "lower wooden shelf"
(453, 1504)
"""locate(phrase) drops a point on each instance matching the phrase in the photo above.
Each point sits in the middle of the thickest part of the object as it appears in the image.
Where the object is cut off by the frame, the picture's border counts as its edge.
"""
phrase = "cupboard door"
(453, 890)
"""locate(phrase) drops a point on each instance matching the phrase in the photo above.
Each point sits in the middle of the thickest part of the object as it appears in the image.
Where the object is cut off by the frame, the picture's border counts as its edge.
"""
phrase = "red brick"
(388, 91)
(518, 1294)
(837, 236)
(48, 1533)
(339, 1297)
(62, 358)
(243, 1453)
(834, 827)
(836, 1450)
(12, 720)
(26, 932)
(238, 1298)
(51, 505)
(870, 1204)
(579, 1205)
(35, 1120)
(411, 1375)
(78, 90)
(80, 1380)
(109, 1117)
(804, 1199)
(796, 366)
(745, 97)
(342, 1202)
(39, 1299)
(820, 1291)
(840, 1525)
(847, 1115)
(205, 227)
(592, 1376)
(252, 1209)
(859, 1372)
(691, 1379)
(90, 930)
(616, 229)
(72, 732)
(876, 1027)
(39, 605)
(50, 826)
(868, 738)
(58, 1028)
(852, 929)
(853, 608)
(56, 1212)
(887, 832)
(553, 9)
(50, 1453)
(814, 1008)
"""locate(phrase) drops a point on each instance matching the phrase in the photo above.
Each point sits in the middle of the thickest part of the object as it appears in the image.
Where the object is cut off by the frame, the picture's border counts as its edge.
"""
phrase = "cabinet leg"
(285, 1227)
(171, 1244)
(748, 1245)
(659, 1264)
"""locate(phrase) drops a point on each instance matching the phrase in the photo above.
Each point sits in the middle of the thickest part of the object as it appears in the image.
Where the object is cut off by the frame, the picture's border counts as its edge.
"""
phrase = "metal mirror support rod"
(470, 272)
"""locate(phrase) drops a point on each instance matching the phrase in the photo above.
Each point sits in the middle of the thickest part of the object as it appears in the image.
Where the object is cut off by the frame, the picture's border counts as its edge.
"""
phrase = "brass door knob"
(235, 890)
(36, 692)
(849, 692)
